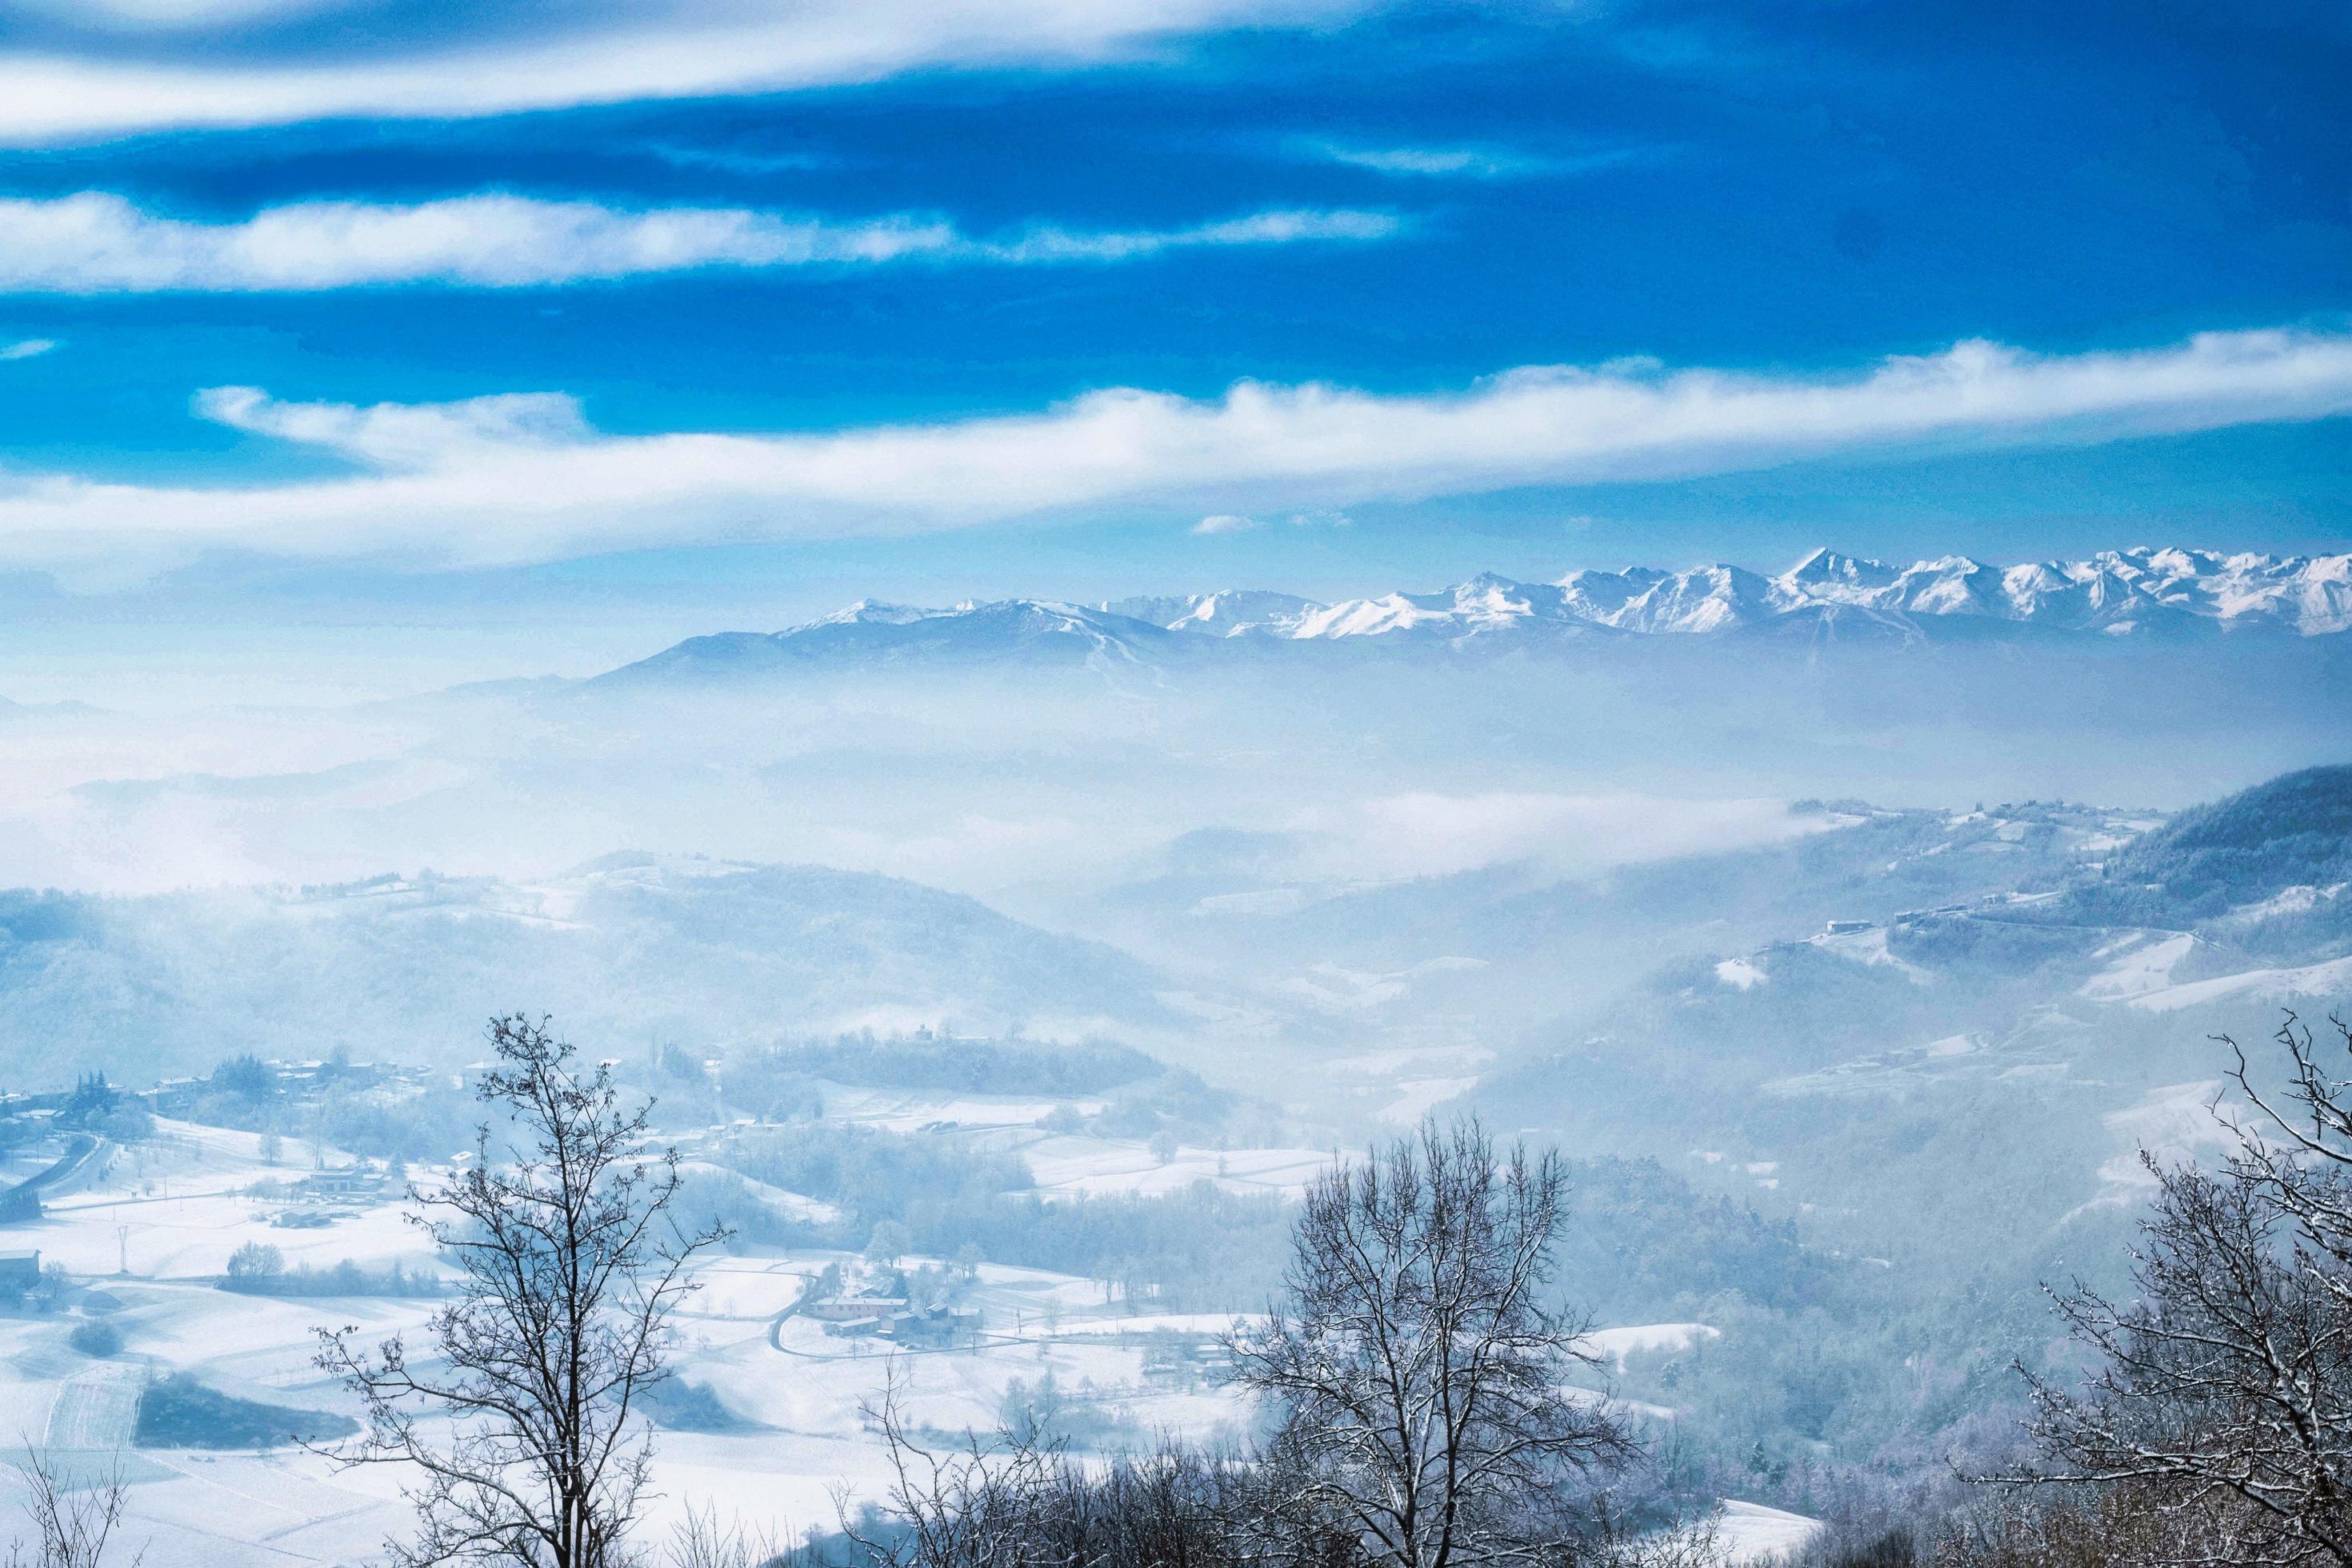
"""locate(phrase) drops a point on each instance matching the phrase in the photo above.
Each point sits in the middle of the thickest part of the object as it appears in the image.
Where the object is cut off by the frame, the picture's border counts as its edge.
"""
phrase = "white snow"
(1751, 1532)
(2295, 901)
(1616, 1345)
(2175, 1123)
(1742, 973)
(1075, 1166)
(216, 1511)
(2140, 967)
(1160, 1323)
(1593, 1398)
(911, 1110)
(2330, 979)
(1868, 947)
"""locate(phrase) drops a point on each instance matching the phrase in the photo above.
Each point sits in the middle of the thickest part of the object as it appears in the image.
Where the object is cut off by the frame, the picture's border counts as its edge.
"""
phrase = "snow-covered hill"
(405, 967)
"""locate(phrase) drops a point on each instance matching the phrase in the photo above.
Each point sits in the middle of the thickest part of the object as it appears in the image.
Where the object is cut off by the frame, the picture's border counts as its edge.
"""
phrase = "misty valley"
(1175, 784)
(1010, 1164)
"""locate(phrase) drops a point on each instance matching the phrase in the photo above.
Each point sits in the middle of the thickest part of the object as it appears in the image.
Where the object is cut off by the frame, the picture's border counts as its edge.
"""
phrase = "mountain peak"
(1825, 568)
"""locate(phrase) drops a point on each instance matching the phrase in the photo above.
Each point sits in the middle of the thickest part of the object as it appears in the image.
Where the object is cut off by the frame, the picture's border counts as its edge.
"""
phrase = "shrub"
(96, 1337)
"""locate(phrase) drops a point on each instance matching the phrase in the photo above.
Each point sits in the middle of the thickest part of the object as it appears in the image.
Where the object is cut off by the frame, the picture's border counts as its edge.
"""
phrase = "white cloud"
(1235, 523)
(27, 348)
(1472, 162)
(593, 55)
(173, 16)
(410, 437)
(98, 243)
(514, 480)
(1430, 163)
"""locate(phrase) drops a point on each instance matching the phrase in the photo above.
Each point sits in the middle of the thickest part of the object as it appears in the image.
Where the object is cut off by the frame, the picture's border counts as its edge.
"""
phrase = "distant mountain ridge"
(2148, 592)
(2117, 592)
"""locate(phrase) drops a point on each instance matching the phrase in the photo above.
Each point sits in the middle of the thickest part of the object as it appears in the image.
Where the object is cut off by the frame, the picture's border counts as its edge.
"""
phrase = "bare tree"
(1419, 1368)
(1022, 1500)
(703, 1539)
(71, 1526)
(967, 1508)
(2222, 1396)
(570, 1267)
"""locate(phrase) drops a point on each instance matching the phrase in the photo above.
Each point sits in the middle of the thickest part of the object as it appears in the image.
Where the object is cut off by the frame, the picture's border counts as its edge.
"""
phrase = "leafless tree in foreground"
(1020, 1501)
(703, 1539)
(2222, 1397)
(1418, 1367)
(570, 1267)
(71, 1525)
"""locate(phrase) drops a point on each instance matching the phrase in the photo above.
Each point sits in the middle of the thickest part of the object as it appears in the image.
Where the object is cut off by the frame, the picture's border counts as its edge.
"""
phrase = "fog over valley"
(1360, 784)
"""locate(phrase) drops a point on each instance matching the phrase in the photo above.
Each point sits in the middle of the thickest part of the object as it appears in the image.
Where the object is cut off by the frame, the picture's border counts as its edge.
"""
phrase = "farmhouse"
(19, 1272)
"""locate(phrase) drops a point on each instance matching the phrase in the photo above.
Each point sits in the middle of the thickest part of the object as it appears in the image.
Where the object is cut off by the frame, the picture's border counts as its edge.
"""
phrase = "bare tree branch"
(570, 1267)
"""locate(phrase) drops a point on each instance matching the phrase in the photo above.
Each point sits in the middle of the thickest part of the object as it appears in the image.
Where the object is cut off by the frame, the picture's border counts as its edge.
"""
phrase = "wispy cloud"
(174, 15)
(528, 479)
(1440, 835)
(1236, 522)
(96, 243)
(490, 60)
(26, 348)
(1474, 162)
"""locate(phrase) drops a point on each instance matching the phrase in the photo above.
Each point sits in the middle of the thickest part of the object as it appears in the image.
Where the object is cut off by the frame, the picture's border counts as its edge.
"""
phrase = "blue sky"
(640, 319)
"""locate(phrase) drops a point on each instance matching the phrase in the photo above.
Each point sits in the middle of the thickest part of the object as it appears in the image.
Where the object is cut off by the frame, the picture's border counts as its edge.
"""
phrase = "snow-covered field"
(173, 1215)
(147, 1241)
(2138, 962)
(1616, 1345)
(2332, 979)
(1082, 1164)
(1751, 1532)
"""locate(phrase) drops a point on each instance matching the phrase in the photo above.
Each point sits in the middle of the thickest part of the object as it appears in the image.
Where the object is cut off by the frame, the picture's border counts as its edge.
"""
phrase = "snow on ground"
(176, 1207)
(1885, 1071)
(233, 1510)
(150, 1237)
(1163, 1322)
(800, 1394)
(2300, 899)
(915, 1111)
(2173, 1124)
(1741, 973)
(800, 1205)
(2333, 978)
(2140, 966)
(1751, 1532)
(743, 1289)
(1867, 947)
(95, 1407)
(1616, 1345)
(1589, 1399)
(1075, 1164)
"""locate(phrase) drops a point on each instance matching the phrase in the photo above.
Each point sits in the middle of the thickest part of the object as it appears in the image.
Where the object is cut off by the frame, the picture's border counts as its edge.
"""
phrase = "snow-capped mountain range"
(2117, 592)
(2141, 592)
